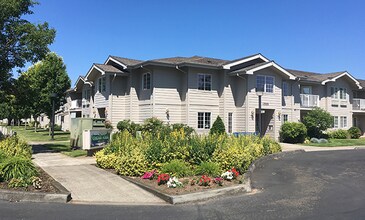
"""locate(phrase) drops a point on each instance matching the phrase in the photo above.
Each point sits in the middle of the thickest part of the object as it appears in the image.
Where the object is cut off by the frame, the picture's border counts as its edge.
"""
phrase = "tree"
(293, 132)
(218, 127)
(317, 121)
(20, 40)
(46, 77)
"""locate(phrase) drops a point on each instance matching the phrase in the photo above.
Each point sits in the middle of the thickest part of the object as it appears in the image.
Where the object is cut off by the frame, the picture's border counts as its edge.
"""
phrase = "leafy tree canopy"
(20, 40)
(317, 121)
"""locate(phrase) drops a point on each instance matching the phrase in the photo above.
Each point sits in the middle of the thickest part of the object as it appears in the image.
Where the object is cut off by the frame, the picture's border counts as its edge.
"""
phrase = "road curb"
(22, 196)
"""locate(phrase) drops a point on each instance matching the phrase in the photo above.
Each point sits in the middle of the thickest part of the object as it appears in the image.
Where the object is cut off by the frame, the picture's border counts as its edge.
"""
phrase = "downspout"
(152, 88)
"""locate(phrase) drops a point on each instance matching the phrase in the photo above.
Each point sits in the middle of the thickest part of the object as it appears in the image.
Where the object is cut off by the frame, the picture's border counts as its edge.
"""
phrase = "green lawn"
(42, 135)
(339, 142)
(65, 149)
(75, 153)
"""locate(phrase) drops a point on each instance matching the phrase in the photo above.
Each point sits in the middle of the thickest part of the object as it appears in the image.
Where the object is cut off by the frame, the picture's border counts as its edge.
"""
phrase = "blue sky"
(310, 35)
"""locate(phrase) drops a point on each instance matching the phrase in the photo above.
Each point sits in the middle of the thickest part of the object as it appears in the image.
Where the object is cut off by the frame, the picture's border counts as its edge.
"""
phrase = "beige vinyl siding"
(168, 93)
(101, 98)
(271, 101)
(201, 100)
(133, 101)
(118, 100)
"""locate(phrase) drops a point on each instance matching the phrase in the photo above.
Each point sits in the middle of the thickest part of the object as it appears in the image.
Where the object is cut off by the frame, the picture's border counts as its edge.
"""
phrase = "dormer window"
(146, 81)
(265, 83)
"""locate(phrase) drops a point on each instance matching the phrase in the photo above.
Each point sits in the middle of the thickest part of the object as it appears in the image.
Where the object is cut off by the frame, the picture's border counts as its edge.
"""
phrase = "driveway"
(305, 185)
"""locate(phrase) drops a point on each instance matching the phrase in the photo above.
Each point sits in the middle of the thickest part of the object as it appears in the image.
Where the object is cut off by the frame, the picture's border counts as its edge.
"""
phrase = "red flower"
(235, 172)
(163, 178)
(204, 181)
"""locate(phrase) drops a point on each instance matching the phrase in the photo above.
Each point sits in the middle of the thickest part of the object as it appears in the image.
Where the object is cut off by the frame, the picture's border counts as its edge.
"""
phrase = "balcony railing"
(75, 104)
(358, 104)
(309, 101)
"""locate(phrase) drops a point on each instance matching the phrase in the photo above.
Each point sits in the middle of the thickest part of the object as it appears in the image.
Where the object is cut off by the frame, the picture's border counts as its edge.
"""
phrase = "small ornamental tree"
(317, 121)
(218, 127)
(293, 132)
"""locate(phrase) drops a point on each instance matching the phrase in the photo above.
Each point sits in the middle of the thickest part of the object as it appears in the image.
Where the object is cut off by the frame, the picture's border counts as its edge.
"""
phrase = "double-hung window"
(204, 82)
(204, 120)
(146, 81)
(265, 83)
(230, 122)
(340, 122)
(285, 89)
(285, 118)
(102, 84)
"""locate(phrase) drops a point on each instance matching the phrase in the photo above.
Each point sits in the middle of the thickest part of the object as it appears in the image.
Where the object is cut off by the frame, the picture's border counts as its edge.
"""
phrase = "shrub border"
(200, 196)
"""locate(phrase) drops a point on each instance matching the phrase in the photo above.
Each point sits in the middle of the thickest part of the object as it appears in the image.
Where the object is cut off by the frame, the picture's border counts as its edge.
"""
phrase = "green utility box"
(78, 125)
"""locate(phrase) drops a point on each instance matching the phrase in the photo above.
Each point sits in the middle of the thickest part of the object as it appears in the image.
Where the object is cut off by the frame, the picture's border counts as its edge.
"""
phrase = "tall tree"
(20, 40)
(46, 77)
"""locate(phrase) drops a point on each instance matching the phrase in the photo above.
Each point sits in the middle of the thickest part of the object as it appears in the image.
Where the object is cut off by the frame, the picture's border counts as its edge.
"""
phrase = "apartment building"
(195, 90)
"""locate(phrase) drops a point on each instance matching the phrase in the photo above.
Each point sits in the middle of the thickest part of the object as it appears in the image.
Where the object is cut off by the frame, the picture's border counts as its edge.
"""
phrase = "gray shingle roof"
(127, 61)
(108, 68)
(362, 82)
(242, 70)
(316, 77)
(192, 60)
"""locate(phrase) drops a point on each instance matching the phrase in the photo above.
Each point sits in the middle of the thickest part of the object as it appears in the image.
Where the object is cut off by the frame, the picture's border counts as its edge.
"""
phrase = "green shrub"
(131, 127)
(202, 147)
(208, 168)
(57, 127)
(176, 168)
(187, 129)
(293, 132)
(354, 132)
(338, 134)
(316, 121)
(270, 145)
(218, 127)
(15, 183)
(175, 147)
(152, 125)
(3, 156)
(132, 163)
(13, 146)
(17, 168)
(106, 161)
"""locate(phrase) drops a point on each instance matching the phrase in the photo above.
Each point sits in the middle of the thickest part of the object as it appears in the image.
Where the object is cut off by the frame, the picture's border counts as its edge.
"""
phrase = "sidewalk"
(292, 147)
(89, 184)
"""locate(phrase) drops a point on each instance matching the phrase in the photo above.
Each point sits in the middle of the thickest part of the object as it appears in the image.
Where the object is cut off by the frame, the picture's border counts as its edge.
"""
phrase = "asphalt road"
(316, 185)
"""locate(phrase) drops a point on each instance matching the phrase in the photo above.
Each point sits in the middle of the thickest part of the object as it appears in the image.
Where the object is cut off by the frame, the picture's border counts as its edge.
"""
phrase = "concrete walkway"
(89, 184)
(292, 147)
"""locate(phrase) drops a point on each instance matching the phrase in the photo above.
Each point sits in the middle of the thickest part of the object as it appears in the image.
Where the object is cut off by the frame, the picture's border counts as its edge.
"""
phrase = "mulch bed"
(186, 189)
(47, 184)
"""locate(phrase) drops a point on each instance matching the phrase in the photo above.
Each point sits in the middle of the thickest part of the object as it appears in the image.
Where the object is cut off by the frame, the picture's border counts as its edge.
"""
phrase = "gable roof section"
(102, 68)
(232, 63)
(259, 66)
(323, 78)
(124, 62)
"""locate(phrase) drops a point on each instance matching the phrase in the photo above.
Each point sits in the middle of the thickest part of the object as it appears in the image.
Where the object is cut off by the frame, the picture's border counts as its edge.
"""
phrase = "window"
(285, 118)
(306, 89)
(230, 122)
(335, 121)
(340, 122)
(285, 89)
(343, 122)
(338, 93)
(204, 82)
(146, 81)
(102, 84)
(204, 120)
(265, 83)
(87, 94)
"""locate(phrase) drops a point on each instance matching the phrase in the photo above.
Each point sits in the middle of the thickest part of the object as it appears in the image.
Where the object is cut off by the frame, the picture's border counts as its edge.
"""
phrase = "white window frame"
(335, 121)
(310, 90)
(339, 93)
(265, 83)
(202, 117)
(204, 75)
(343, 121)
(146, 85)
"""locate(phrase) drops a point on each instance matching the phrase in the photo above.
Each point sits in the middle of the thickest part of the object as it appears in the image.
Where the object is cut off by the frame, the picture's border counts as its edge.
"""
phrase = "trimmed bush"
(338, 134)
(13, 146)
(18, 168)
(176, 168)
(354, 132)
(293, 132)
(106, 161)
(316, 121)
(133, 163)
(218, 127)
(208, 168)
